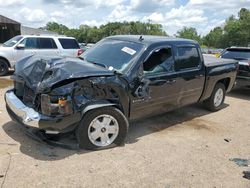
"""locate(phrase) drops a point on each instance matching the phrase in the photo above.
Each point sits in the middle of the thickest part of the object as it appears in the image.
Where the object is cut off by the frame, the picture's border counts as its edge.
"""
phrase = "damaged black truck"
(120, 79)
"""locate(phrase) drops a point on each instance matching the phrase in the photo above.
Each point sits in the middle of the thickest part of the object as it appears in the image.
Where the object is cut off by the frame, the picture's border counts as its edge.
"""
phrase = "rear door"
(70, 47)
(47, 47)
(190, 70)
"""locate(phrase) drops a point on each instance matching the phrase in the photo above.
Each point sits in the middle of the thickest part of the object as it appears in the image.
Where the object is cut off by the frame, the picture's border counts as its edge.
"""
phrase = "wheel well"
(93, 107)
(8, 63)
(225, 81)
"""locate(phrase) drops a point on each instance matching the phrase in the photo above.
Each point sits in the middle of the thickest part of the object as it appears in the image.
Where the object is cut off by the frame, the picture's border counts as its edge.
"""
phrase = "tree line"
(89, 34)
(235, 31)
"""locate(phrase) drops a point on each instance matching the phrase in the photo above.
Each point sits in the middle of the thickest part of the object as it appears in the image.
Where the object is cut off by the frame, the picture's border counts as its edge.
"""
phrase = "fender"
(95, 106)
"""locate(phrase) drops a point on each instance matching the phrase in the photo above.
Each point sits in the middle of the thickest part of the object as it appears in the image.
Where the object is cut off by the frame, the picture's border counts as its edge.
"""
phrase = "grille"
(29, 96)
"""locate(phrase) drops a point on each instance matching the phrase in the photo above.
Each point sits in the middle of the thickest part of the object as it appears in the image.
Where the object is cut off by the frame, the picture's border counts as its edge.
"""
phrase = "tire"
(4, 68)
(216, 100)
(94, 128)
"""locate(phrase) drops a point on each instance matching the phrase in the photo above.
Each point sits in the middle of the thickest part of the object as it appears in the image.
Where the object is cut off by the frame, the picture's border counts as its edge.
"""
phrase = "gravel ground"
(189, 147)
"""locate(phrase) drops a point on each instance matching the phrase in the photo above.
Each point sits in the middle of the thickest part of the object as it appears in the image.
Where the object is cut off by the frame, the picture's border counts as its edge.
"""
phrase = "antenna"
(141, 38)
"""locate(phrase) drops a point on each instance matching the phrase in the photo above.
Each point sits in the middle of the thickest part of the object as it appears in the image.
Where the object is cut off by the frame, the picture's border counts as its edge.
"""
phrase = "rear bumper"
(28, 117)
(242, 81)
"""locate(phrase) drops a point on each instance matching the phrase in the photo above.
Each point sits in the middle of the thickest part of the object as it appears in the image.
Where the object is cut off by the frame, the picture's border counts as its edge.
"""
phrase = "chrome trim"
(27, 115)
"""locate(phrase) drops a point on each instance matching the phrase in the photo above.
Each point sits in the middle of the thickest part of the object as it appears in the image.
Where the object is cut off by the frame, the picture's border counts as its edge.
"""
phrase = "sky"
(204, 15)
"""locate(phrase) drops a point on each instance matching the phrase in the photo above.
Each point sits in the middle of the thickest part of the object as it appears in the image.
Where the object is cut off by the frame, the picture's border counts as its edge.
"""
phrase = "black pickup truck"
(121, 78)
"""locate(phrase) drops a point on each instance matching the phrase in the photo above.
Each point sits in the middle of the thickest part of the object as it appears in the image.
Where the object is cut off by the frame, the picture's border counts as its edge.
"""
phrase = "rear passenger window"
(69, 43)
(188, 58)
(47, 43)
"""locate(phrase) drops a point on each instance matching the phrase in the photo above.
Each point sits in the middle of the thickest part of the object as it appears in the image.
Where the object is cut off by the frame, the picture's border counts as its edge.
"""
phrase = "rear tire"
(4, 68)
(101, 128)
(216, 100)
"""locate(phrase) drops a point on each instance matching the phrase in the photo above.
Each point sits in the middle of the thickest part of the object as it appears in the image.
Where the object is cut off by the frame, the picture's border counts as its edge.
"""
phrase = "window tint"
(30, 43)
(159, 61)
(69, 43)
(188, 58)
(47, 43)
(239, 54)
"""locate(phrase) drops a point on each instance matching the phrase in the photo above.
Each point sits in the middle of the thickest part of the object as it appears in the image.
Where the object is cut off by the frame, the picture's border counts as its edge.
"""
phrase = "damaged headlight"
(56, 105)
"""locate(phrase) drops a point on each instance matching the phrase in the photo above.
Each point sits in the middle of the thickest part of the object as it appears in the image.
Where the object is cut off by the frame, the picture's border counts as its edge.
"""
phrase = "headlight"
(56, 105)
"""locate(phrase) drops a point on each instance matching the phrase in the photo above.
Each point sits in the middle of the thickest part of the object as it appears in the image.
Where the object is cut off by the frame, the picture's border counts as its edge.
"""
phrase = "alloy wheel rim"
(103, 130)
(218, 97)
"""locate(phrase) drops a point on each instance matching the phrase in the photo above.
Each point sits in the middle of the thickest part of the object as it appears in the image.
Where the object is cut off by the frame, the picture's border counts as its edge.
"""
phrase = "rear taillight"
(80, 52)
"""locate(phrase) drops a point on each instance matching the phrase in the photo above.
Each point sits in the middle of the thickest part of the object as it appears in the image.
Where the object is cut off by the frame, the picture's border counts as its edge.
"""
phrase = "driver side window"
(30, 43)
(160, 61)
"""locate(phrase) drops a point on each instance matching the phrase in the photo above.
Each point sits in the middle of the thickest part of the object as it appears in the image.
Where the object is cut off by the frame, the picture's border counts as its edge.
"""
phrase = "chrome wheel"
(218, 97)
(103, 130)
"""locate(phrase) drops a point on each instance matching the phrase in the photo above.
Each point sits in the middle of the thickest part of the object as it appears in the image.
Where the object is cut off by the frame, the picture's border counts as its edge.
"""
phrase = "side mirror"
(20, 46)
(142, 90)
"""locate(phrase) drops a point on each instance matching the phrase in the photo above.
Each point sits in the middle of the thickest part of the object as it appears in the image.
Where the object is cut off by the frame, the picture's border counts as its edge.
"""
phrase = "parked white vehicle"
(23, 46)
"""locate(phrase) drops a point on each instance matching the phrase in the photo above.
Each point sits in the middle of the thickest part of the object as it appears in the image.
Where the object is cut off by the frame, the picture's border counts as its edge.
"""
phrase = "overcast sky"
(172, 14)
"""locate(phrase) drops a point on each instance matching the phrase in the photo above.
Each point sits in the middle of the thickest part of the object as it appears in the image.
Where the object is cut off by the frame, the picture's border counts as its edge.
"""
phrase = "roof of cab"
(151, 39)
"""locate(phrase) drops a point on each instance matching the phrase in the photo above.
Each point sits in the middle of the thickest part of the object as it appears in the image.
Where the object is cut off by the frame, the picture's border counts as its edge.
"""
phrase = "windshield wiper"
(103, 65)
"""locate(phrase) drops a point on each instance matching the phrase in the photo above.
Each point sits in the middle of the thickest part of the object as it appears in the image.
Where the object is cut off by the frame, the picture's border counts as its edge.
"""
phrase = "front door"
(160, 90)
(30, 48)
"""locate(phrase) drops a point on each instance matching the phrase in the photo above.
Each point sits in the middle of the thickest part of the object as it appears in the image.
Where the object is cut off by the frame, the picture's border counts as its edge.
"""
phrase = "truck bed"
(210, 61)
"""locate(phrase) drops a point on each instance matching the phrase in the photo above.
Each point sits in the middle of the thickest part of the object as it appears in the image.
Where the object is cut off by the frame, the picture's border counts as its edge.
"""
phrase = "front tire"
(101, 128)
(4, 68)
(216, 100)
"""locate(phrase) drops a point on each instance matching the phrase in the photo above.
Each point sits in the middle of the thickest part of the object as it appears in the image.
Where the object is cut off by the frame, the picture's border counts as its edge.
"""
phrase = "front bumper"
(27, 116)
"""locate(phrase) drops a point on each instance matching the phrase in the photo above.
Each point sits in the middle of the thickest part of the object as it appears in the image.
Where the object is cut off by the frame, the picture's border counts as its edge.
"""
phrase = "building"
(32, 31)
(10, 28)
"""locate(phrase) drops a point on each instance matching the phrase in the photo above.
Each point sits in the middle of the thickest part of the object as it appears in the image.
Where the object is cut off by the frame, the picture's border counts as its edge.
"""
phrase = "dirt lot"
(190, 147)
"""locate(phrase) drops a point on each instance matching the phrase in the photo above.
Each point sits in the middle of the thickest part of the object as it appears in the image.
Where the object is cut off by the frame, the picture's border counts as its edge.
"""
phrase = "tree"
(189, 33)
(55, 27)
(214, 38)
(236, 32)
(88, 34)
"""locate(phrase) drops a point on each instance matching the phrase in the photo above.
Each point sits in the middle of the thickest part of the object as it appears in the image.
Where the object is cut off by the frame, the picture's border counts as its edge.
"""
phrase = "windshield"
(238, 54)
(115, 54)
(12, 41)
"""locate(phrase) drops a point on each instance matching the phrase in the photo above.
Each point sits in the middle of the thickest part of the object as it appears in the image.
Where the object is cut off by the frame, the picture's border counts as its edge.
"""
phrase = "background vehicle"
(121, 78)
(242, 54)
(22, 46)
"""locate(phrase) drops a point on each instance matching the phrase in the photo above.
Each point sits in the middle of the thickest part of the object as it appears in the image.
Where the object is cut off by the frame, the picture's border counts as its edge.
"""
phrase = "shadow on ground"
(43, 151)
(240, 93)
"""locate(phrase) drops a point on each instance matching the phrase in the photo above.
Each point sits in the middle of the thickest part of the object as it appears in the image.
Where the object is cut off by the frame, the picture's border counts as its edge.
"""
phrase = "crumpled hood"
(41, 73)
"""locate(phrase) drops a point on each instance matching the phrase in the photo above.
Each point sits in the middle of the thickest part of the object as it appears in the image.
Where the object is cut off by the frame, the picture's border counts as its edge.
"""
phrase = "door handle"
(199, 76)
(171, 81)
